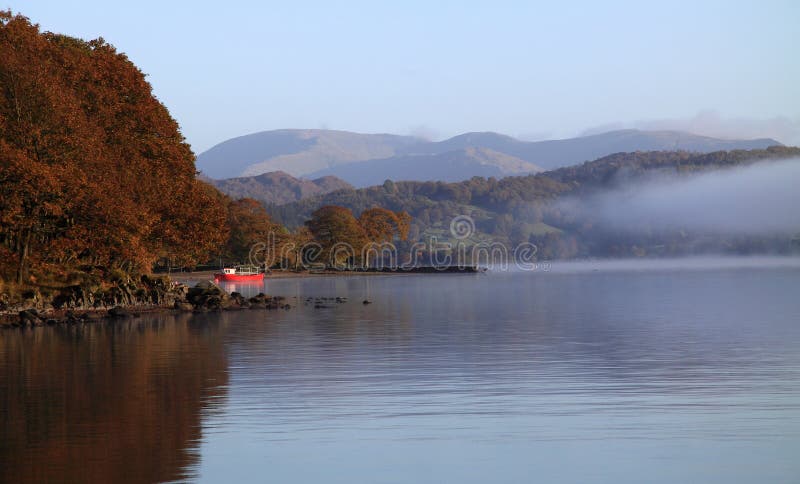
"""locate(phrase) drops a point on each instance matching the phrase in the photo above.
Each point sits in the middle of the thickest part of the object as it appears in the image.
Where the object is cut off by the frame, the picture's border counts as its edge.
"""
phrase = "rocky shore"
(193, 277)
(127, 298)
(86, 303)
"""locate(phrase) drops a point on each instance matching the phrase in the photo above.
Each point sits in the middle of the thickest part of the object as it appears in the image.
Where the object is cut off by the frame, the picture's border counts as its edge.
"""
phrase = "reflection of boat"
(239, 274)
(247, 289)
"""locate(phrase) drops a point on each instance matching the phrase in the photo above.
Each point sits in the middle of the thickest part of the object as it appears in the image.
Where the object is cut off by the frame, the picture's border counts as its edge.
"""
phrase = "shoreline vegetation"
(178, 292)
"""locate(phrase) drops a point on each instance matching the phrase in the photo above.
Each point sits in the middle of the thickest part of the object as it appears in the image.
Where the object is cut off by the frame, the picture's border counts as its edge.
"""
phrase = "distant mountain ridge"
(276, 188)
(552, 154)
(368, 159)
(296, 151)
(449, 166)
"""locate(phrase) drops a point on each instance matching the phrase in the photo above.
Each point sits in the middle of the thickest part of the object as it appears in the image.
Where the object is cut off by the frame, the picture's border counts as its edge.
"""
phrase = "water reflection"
(639, 375)
(117, 402)
(636, 376)
(247, 289)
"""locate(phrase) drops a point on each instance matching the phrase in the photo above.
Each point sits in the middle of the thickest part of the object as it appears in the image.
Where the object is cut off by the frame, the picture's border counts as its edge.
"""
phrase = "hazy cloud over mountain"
(711, 123)
(425, 132)
(749, 200)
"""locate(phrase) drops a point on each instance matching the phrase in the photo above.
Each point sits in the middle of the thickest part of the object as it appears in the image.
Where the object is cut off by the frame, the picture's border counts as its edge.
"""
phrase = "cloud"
(711, 123)
(755, 199)
(425, 132)
(535, 135)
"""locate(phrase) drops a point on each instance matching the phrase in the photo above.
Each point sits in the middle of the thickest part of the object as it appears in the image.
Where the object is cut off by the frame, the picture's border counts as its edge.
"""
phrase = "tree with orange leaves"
(383, 225)
(338, 232)
(93, 169)
(253, 231)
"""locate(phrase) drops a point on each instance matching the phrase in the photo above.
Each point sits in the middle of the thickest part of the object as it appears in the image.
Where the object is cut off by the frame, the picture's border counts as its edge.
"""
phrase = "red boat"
(239, 274)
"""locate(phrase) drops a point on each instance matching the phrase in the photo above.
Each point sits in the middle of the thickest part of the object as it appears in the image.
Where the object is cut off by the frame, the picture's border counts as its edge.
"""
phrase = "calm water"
(610, 375)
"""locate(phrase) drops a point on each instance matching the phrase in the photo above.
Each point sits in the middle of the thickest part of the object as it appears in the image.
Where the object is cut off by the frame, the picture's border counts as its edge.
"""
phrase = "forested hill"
(602, 171)
(516, 209)
(277, 187)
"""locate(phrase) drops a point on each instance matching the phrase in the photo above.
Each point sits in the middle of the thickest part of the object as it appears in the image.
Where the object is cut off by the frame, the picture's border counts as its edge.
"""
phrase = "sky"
(436, 69)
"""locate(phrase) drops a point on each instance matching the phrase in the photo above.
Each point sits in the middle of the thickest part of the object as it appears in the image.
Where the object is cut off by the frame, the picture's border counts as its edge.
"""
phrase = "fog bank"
(763, 198)
(701, 263)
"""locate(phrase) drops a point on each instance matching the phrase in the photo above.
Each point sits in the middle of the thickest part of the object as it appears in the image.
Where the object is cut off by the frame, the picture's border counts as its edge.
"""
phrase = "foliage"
(250, 225)
(338, 232)
(93, 169)
(95, 176)
(382, 225)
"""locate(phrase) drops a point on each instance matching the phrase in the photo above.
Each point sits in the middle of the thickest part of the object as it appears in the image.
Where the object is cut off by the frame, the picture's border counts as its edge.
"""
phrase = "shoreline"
(57, 317)
(198, 293)
(31, 318)
(200, 276)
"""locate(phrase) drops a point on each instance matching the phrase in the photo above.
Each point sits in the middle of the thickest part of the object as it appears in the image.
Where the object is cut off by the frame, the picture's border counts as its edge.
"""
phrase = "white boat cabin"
(241, 270)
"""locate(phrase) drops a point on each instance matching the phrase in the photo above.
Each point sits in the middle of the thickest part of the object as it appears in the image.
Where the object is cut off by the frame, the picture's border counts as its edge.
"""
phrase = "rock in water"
(207, 295)
(29, 317)
(119, 312)
(183, 306)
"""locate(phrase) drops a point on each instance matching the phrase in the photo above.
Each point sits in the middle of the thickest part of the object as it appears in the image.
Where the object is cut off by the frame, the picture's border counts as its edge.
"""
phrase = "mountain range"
(369, 159)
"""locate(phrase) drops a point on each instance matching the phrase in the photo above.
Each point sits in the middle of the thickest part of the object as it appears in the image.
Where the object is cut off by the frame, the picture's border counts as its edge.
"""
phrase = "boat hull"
(238, 277)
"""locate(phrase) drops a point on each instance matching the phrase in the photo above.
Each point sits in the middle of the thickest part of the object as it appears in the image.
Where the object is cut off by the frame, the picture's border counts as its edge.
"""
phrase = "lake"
(593, 372)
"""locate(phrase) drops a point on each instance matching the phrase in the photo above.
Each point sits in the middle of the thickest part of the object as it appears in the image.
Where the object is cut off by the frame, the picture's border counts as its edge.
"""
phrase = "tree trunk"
(23, 246)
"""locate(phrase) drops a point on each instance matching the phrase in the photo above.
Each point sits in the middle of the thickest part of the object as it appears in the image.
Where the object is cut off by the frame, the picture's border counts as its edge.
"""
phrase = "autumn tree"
(338, 232)
(295, 248)
(253, 233)
(93, 169)
(383, 225)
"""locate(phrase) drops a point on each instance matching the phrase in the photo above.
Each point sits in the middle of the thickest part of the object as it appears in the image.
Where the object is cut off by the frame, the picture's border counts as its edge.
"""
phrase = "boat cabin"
(241, 270)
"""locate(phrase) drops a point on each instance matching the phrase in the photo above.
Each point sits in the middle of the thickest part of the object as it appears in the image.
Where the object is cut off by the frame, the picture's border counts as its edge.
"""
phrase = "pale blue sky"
(522, 68)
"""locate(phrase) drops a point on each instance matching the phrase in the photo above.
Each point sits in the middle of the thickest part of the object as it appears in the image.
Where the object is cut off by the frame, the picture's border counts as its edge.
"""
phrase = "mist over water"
(753, 200)
(662, 264)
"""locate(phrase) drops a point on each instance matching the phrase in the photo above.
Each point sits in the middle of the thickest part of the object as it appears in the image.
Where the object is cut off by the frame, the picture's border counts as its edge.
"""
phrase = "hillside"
(450, 166)
(364, 159)
(565, 152)
(524, 209)
(277, 187)
(296, 151)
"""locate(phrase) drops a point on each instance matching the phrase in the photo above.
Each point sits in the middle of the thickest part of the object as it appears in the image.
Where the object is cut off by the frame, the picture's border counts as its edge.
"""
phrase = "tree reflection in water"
(108, 402)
